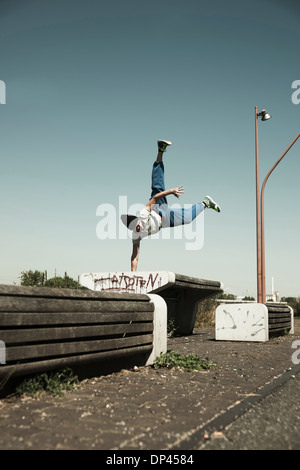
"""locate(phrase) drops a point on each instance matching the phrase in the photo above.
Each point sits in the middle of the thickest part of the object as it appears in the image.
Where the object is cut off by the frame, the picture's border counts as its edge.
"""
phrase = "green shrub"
(293, 302)
(190, 362)
(205, 316)
(54, 383)
(39, 278)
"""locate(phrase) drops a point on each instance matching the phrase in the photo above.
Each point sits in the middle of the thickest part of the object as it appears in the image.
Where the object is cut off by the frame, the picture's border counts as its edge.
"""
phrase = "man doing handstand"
(157, 214)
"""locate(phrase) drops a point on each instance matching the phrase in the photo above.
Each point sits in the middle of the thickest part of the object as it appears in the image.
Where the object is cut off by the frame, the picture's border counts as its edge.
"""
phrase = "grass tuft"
(54, 383)
(190, 362)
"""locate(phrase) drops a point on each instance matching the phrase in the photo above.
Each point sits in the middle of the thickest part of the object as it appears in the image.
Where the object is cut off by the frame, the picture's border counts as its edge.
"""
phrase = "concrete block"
(160, 328)
(242, 322)
(181, 293)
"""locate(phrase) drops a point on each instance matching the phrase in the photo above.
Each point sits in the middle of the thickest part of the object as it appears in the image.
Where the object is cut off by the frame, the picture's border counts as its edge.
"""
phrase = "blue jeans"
(170, 217)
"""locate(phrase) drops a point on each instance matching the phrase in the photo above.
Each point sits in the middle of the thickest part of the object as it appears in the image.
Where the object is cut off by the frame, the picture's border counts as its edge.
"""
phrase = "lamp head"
(265, 116)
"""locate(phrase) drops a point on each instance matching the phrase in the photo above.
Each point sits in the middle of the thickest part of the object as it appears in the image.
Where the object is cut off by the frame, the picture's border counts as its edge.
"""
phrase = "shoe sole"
(216, 205)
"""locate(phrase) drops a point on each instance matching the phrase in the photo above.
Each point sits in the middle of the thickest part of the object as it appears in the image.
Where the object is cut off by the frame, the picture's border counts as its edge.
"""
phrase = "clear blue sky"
(92, 84)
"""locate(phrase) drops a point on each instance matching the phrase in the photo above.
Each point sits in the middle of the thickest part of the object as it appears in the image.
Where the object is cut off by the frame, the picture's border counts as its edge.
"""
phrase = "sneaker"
(211, 204)
(163, 144)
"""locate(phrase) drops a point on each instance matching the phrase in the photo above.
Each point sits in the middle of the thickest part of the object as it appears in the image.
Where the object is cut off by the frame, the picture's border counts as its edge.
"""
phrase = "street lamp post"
(264, 117)
(260, 223)
(263, 275)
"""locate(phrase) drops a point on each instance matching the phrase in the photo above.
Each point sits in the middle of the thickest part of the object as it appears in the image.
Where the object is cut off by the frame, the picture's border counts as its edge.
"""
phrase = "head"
(132, 222)
(139, 226)
(136, 225)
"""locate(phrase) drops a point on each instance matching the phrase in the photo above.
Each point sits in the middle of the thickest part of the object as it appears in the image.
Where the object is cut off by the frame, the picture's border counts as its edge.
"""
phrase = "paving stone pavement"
(143, 408)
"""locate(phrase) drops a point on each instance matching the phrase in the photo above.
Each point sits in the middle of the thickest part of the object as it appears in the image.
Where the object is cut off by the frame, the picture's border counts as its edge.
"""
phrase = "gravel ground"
(144, 408)
(272, 424)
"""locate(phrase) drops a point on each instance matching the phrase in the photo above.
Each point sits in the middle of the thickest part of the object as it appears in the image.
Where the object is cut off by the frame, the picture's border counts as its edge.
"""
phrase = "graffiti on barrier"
(138, 282)
(243, 319)
(242, 322)
(128, 283)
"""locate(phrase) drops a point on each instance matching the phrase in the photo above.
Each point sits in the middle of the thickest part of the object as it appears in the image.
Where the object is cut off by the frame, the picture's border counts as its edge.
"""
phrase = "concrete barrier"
(181, 293)
(159, 344)
(252, 321)
(43, 328)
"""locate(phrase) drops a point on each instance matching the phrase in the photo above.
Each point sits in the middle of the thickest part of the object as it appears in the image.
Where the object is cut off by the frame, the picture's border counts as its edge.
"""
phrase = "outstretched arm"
(135, 256)
(175, 191)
